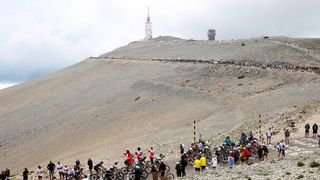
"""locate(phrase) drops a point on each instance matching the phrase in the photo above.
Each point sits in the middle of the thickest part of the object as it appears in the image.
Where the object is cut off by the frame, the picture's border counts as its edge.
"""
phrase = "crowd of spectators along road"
(199, 154)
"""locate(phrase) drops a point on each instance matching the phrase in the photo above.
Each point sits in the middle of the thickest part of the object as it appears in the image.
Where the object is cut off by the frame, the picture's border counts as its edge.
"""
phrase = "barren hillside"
(100, 107)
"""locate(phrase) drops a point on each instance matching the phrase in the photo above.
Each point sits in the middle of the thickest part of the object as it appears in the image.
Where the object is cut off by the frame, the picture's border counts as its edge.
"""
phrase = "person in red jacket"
(129, 158)
(246, 154)
(151, 156)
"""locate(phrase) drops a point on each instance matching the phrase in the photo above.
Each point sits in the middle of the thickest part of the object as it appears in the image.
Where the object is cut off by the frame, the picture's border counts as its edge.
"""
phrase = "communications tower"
(148, 28)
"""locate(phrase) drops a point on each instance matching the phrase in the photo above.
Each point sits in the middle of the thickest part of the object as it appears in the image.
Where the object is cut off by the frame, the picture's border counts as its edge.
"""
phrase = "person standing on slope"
(265, 152)
(25, 174)
(179, 169)
(51, 166)
(90, 165)
(269, 134)
(139, 154)
(181, 149)
(197, 165)
(184, 164)
(60, 170)
(314, 130)
(7, 174)
(306, 129)
(203, 162)
(282, 149)
(151, 155)
(287, 136)
(39, 173)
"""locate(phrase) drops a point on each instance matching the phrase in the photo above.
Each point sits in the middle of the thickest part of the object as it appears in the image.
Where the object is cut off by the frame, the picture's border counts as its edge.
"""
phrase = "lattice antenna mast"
(148, 27)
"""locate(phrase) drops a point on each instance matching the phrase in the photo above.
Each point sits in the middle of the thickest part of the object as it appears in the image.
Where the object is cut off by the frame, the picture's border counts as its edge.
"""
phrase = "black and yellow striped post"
(194, 132)
(260, 131)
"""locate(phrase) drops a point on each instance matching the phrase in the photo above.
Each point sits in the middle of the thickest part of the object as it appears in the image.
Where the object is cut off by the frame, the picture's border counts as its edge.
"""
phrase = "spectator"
(151, 154)
(154, 173)
(306, 129)
(51, 166)
(184, 164)
(265, 152)
(2, 176)
(282, 149)
(65, 171)
(203, 162)
(7, 174)
(269, 134)
(60, 170)
(314, 130)
(181, 149)
(25, 174)
(90, 165)
(39, 173)
(260, 153)
(197, 165)
(287, 136)
(179, 169)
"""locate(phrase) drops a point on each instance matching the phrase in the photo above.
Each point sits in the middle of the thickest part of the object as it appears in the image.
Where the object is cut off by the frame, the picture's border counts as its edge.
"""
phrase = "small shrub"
(300, 176)
(288, 173)
(300, 164)
(314, 164)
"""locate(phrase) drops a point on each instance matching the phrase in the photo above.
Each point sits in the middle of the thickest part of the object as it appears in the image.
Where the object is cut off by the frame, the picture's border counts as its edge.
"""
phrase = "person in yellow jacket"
(203, 162)
(197, 165)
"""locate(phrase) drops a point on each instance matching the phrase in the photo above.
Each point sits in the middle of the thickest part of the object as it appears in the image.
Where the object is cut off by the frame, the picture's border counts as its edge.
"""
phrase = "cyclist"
(65, 171)
(231, 159)
(129, 158)
(77, 169)
(98, 167)
(228, 140)
(137, 172)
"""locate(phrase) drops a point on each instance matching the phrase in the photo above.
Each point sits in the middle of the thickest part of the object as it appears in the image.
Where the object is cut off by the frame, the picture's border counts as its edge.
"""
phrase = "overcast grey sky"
(42, 36)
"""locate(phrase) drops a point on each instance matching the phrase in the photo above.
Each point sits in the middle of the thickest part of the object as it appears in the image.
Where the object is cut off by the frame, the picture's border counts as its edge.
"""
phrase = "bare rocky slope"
(101, 106)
